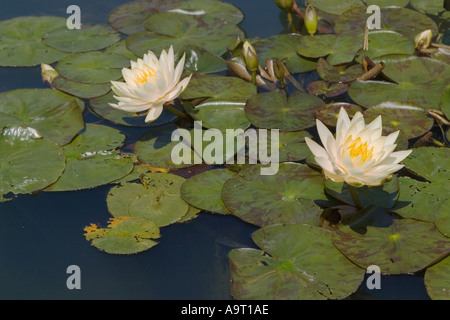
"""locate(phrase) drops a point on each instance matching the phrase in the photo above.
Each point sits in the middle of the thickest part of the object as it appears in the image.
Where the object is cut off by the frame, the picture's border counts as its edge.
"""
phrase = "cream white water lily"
(149, 84)
(359, 155)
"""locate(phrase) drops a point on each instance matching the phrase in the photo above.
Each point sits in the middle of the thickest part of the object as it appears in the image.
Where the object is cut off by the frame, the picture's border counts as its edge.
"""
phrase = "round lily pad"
(397, 246)
(157, 199)
(204, 190)
(437, 280)
(92, 67)
(283, 47)
(334, 7)
(93, 159)
(79, 89)
(411, 119)
(22, 44)
(88, 38)
(200, 60)
(340, 73)
(445, 102)
(223, 101)
(120, 48)
(275, 110)
(428, 6)
(28, 162)
(297, 262)
(290, 196)
(56, 115)
(123, 235)
(329, 112)
(387, 3)
(436, 160)
(326, 88)
(443, 218)
(424, 90)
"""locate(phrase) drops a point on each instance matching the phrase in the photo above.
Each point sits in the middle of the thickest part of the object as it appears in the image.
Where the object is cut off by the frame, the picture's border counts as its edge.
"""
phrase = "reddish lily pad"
(329, 113)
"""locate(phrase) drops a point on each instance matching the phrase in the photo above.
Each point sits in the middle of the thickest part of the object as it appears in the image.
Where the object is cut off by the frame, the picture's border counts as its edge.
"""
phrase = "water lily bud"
(48, 73)
(250, 57)
(278, 70)
(423, 39)
(285, 4)
(311, 20)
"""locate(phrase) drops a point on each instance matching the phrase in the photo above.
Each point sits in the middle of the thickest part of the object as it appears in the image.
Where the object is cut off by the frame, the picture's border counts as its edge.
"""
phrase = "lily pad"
(428, 6)
(445, 102)
(79, 89)
(56, 115)
(92, 67)
(275, 110)
(283, 47)
(223, 101)
(100, 106)
(387, 3)
(92, 159)
(120, 48)
(443, 218)
(424, 90)
(21, 41)
(297, 262)
(412, 120)
(28, 163)
(437, 280)
(200, 60)
(397, 246)
(204, 190)
(329, 90)
(212, 34)
(88, 38)
(436, 160)
(329, 112)
(340, 73)
(123, 235)
(157, 199)
(334, 7)
(290, 196)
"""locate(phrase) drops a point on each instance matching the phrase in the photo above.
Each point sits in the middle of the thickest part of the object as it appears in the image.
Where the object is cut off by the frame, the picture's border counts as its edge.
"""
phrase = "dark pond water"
(41, 235)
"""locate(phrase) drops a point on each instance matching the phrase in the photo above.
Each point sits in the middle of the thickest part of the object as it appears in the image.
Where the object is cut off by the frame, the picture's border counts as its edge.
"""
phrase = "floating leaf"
(92, 159)
(88, 38)
(28, 163)
(200, 60)
(334, 7)
(204, 190)
(158, 199)
(340, 73)
(329, 113)
(21, 41)
(123, 235)
(275, 110)
(397, 246)
(120, 48)
(326, 88)
(92, 67)
(443, 218)
(387, 3)
(437, 280)
(297, 262)
(428, 6)
(430, 163)
(289, 196)
(56, 115)
(283, 47)
(410, 119)
(445, 102)
(81, 90)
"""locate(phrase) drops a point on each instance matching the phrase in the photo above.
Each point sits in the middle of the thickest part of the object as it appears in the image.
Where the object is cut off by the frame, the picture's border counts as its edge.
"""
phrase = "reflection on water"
(42, 235)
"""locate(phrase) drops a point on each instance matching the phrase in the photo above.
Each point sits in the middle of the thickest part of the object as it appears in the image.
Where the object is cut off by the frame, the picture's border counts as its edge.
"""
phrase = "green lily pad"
(340, 73)
(92, 159)
(56, 115)
(387, 3)
(212, 8)
(329, 90)
(430, 163)
(329, 112)
(418, 80)
(443, 218)
(339, 49)
(411, 119)
(283, 47)
(445, 102)
(437, 280)
(200, 60)
(204, 190)
(275, 110)
(397, 246)
(158, 199)
(420, 200)
(223, 101)
(88, 38)
(100, 106)
(92, 67)
(79, 89)
(124, 235)
(120, 48)
(28, 163)
(212, 34)
(398, 44)
(334, 7)
(290, 196)
(297, 262)
(384, 196)
(405, 21)
(21, 41)
(428, 6)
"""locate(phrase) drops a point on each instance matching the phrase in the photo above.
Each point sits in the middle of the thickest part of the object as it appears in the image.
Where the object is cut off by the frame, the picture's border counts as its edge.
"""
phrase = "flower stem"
(254, 77)
(175, 111)
(291, 22)
(355, 197)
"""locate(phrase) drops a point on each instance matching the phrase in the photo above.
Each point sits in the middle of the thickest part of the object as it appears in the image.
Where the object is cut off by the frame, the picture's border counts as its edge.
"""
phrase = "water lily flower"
(311, 19)
(359, 155)
(150, 84)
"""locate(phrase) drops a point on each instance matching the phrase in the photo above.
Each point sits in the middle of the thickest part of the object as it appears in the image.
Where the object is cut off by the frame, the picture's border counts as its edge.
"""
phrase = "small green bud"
(285, 4)
(278, 70)
(48, 73)
(423, 39)
(311, 20)
(250, 57)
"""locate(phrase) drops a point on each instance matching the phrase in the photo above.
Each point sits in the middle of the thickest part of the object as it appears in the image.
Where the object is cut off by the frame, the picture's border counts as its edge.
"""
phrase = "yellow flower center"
(357, 148)
(142, 77)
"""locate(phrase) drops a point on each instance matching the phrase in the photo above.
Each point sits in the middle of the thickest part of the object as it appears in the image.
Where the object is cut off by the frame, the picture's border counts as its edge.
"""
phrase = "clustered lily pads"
(317, 233)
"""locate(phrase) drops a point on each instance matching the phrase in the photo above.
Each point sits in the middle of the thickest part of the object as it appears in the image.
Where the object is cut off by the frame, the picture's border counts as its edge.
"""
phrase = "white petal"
(316, 149)
(342, 126)
(154, 113)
